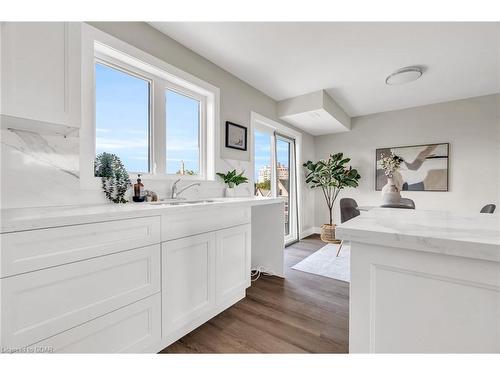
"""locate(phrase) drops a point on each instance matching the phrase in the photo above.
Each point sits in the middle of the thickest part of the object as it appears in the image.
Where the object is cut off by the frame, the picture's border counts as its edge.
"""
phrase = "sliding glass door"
(275, 174)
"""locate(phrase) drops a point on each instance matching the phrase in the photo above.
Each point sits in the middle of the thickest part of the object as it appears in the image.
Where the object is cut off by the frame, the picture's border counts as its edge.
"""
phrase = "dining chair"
(408, 202)
(403, 203)
(348, 210)
(488, 209)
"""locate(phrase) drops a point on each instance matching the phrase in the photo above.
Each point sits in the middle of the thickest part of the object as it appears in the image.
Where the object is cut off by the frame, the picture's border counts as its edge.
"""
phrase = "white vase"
(229, 192)
(390, 192)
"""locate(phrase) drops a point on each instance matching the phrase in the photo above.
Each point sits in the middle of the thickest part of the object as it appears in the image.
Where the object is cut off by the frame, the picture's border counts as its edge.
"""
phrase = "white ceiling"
(352, 60)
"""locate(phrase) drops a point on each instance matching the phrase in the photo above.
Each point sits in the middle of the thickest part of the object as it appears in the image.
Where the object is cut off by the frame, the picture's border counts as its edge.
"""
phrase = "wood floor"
(302, 313)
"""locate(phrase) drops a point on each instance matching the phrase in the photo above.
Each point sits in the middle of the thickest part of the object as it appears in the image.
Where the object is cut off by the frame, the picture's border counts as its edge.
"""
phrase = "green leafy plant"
(266, 185)
(114, 177)
(331, 175)
(232, 178)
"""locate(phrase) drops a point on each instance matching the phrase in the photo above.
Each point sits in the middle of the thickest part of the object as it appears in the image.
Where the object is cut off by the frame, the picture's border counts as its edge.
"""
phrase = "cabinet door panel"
(131, 329)
(40, 71)
(188, 280)
(40, 304)
(233, 261)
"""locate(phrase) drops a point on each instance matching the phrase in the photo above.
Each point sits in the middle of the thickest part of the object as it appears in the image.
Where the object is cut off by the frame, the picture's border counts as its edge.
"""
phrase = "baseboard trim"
(308, 232)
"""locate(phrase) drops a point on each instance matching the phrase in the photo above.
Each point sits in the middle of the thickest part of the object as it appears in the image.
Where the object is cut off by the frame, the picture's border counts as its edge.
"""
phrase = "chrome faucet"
(175, 193)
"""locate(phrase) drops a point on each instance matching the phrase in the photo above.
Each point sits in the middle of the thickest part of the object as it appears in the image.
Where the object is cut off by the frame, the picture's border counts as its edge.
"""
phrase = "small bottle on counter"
(138, 190)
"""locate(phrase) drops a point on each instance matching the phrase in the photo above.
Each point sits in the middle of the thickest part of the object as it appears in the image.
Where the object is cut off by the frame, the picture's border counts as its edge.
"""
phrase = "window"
(183, 133)
(122, 116)
(263, 162)
(275, 168)
(159, 120)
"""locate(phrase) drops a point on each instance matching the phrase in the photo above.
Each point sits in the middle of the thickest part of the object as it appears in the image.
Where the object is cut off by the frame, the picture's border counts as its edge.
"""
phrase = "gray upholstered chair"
(488, 209)
(348, 210)
(409, 202)
(403, 203)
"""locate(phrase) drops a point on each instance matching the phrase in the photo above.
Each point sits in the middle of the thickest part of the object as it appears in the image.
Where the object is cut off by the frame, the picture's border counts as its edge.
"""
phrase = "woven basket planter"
(328, 233)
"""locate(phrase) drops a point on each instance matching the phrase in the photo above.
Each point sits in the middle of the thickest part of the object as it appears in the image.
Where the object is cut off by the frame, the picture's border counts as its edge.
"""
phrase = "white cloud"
(117, 144)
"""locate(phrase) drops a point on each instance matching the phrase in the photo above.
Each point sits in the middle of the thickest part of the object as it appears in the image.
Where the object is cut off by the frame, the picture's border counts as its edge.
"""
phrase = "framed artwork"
(424, 167)
(236, 136)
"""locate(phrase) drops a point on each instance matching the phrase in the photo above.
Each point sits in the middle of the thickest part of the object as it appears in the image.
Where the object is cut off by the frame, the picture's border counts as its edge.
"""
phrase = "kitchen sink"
(180, 202)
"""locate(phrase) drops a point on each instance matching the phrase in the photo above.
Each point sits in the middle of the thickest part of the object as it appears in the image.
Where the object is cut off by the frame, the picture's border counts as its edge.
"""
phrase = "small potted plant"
(114, 177)
(391, 192)
(331, 175)
(232, 179)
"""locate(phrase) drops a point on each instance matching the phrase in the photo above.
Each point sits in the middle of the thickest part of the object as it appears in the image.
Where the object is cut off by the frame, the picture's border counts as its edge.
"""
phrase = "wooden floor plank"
(298, 314)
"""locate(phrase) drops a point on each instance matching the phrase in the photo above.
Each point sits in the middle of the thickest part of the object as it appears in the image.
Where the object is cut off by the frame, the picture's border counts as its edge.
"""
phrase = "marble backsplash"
(40, 167)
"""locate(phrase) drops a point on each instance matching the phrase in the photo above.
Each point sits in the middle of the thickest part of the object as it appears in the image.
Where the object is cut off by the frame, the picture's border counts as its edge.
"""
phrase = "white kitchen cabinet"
(131, 329)
(37, 305)
(188, 280)
(42, 248)
(202, 220)
(120, 285)
(41, 75)
(233, 261)
(203, 275)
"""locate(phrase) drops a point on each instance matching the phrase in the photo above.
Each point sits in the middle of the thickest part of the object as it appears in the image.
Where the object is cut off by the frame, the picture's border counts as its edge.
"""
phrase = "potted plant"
(114, 177)
(232, 179)
(390, 192)
(331, 175)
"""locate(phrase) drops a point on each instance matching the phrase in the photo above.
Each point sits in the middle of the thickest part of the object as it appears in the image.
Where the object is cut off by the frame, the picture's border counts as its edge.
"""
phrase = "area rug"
(324, 262)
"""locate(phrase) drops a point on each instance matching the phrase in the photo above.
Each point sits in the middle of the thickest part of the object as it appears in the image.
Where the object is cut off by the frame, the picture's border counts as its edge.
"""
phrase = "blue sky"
(122, 117)
(182, 132)
(263, 152)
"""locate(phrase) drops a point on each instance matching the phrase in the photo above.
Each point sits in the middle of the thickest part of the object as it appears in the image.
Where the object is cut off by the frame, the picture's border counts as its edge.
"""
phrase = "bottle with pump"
(138, 190)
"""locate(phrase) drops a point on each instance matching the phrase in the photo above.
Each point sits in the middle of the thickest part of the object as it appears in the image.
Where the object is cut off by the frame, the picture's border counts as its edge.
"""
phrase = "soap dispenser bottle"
(138, 190)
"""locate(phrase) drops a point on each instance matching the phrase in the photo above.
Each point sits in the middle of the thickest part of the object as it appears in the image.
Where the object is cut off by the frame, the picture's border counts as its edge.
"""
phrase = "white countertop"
(473, 236)
(19, 219)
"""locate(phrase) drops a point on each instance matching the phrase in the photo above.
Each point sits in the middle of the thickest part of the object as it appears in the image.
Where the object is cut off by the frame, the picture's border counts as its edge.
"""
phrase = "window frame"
(96, 43)
(157, 127)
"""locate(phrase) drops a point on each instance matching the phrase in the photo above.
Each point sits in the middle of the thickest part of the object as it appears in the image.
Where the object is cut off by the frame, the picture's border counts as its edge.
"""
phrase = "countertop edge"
(444, 246)
(20, 225)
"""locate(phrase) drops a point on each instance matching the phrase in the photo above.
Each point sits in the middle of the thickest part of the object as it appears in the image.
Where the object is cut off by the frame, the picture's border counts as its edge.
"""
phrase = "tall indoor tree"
(331, 176)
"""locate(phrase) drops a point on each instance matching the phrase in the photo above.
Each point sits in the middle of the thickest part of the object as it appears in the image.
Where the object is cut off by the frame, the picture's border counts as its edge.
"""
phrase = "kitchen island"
(423, 282)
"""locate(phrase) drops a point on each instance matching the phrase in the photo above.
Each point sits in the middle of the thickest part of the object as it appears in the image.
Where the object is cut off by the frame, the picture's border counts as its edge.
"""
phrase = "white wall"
(308, 196)
(471, 126)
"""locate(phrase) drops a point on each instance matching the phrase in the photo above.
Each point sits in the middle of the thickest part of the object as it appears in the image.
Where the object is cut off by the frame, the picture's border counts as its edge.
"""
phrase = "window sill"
(96, 181)
(169, 177)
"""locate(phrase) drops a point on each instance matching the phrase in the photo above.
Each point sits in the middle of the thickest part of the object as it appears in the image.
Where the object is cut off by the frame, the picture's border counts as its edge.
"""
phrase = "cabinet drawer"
(42, 248)
(131, 329)
(40, 304)
(189, 223)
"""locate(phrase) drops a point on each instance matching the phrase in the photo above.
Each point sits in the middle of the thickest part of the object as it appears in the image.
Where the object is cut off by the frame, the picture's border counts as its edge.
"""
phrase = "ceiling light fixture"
(404, 75)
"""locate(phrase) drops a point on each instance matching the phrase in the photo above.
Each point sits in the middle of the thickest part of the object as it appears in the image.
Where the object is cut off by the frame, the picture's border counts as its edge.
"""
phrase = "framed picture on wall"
(424, 167)
(236, 136)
